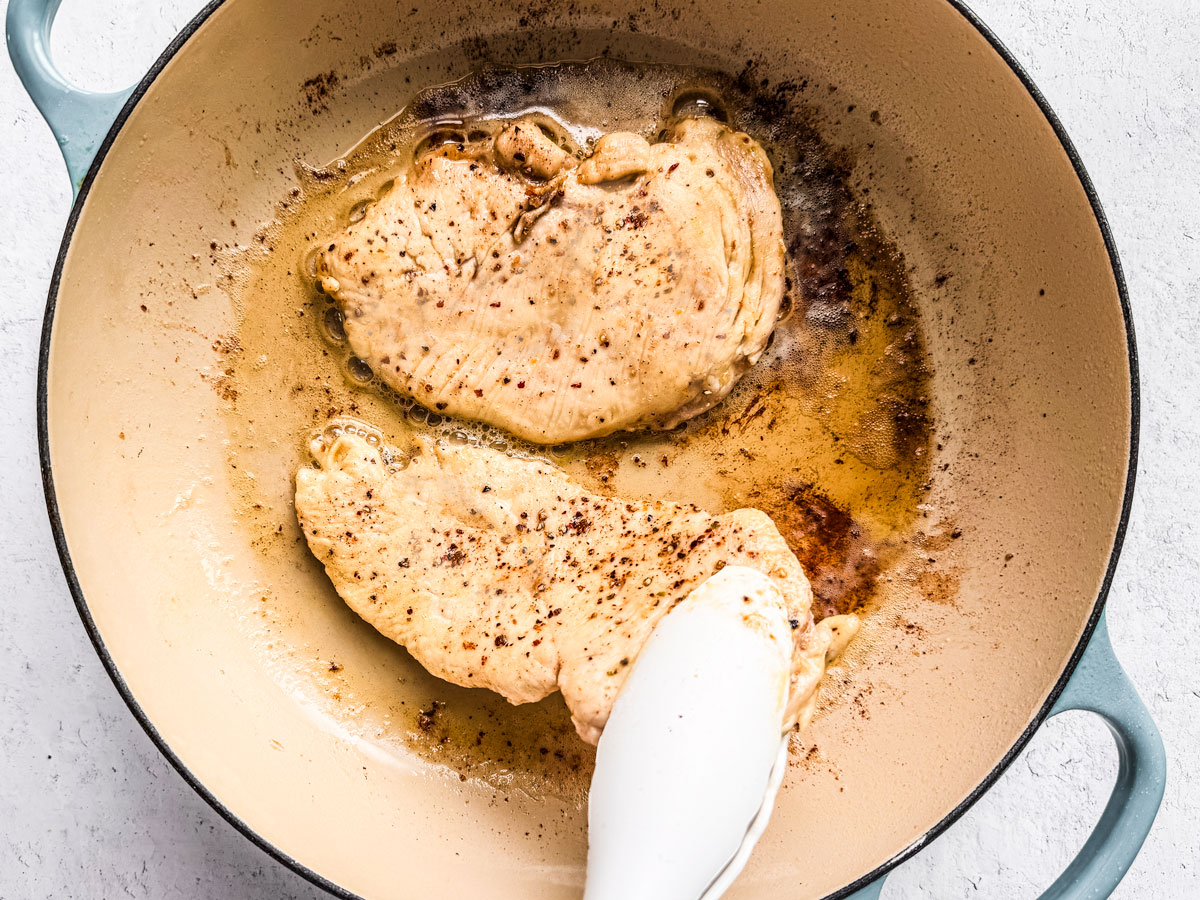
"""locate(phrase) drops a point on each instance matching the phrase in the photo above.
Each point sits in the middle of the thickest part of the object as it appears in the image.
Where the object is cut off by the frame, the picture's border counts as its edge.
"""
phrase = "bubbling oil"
(829, 433)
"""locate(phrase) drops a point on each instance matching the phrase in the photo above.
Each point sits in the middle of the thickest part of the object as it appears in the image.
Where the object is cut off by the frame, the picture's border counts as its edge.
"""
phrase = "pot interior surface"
(306, 724)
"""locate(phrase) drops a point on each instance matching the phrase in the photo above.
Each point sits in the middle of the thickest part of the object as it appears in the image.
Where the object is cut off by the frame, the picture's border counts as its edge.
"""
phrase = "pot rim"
(319, 880)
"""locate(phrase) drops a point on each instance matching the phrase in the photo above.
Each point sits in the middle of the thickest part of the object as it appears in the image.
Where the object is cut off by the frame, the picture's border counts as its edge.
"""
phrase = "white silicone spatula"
(693, 753)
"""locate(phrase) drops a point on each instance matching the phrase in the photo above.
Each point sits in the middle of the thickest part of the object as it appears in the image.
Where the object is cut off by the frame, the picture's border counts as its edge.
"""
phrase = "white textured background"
(88, 809)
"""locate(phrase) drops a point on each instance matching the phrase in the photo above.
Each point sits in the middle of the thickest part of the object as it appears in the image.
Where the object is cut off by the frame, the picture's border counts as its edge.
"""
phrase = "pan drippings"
(829, 433)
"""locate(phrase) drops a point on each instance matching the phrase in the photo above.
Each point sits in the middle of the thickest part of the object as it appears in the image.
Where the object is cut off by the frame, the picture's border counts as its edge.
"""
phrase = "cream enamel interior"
(968, 177)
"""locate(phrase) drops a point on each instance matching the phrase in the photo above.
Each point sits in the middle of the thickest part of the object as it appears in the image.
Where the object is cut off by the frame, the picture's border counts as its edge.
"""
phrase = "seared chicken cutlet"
(505, 281)
(503, 573)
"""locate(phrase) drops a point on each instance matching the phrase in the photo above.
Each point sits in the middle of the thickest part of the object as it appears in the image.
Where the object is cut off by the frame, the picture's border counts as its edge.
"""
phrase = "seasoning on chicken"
(503, 573)
(504, 281)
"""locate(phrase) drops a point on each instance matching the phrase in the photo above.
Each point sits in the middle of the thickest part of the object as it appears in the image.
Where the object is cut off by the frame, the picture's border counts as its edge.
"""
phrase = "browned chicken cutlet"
(505, 281)
(503, 573)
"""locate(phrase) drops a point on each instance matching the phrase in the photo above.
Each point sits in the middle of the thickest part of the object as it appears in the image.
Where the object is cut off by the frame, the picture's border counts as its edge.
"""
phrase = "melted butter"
(829, 433)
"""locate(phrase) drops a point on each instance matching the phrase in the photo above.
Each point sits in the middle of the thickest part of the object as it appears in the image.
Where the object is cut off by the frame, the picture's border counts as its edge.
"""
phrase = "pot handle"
(79, 119)
(1101, 686)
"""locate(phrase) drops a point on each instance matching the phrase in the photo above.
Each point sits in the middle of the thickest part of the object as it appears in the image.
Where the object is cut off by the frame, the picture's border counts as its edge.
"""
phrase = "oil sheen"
(830, 433)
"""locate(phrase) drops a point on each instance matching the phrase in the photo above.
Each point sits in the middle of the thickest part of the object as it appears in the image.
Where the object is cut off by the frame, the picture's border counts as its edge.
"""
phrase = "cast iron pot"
(1035, 391)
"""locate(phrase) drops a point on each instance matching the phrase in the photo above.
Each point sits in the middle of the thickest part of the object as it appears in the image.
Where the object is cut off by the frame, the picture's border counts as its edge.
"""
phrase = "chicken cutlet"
(505, 281)
(503, 573)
